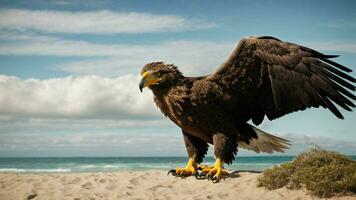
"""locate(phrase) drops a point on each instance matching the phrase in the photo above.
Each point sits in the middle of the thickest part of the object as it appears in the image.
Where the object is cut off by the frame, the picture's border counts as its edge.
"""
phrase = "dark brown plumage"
(262, 77)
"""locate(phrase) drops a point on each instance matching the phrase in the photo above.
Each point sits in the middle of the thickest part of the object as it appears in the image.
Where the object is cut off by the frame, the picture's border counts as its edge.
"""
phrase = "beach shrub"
(323, 173)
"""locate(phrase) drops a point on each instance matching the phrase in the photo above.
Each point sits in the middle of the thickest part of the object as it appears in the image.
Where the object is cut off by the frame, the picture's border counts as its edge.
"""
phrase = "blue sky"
(69, 70)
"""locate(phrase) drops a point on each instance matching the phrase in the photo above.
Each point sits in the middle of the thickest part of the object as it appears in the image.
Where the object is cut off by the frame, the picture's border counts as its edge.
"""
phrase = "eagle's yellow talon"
(188, 170)
(216, 171)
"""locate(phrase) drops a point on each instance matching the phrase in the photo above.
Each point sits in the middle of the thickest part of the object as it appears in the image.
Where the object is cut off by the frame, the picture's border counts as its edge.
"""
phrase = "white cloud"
(95, 22)
(31, 44)
(75, 97)
(193, 57)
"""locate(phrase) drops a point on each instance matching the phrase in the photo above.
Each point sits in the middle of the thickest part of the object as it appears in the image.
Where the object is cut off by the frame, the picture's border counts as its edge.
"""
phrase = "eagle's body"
(190, 107)
(262, 77)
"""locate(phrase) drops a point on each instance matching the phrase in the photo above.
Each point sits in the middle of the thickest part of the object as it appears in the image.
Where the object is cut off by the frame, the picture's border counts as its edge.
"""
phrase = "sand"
(137, 185)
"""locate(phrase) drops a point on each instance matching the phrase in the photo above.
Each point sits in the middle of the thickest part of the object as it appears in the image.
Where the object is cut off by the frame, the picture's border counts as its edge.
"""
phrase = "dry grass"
(322, 172)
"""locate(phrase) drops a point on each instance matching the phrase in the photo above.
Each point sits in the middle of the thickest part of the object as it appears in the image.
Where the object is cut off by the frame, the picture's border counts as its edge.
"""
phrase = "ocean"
(111, 164)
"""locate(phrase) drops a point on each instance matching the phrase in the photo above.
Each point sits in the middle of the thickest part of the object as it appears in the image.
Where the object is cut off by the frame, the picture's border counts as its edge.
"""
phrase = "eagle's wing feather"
(266, 76)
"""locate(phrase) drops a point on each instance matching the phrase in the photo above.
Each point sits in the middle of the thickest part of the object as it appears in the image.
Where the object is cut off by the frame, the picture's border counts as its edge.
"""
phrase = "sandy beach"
(137, 185)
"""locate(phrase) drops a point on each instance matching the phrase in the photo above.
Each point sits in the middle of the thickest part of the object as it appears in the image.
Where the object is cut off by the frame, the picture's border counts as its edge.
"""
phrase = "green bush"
(322, 172)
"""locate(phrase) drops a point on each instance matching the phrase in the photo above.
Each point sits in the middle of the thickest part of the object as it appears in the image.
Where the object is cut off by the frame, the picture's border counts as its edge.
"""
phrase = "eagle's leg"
(224, 149)
(196, 149)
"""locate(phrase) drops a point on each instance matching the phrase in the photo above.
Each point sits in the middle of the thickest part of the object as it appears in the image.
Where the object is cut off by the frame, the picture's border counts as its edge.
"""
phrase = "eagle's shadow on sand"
(232, 174)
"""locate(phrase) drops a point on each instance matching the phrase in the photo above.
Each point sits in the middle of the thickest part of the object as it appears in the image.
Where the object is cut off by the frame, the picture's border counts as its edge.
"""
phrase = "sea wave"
(87, 166)
(111, 166)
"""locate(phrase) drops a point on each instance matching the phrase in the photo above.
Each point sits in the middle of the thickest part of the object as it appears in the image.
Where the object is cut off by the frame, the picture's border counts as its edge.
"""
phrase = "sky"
(69, 70)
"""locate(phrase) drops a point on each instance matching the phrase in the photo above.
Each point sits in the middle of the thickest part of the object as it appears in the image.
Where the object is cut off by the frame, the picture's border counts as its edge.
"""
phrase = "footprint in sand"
(222, 195)
(31, 196)
(87, 185)
(134, 181)
(209, 197)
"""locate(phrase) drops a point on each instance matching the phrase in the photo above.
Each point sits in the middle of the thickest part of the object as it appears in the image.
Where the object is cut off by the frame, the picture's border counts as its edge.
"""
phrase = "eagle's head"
(157, 75)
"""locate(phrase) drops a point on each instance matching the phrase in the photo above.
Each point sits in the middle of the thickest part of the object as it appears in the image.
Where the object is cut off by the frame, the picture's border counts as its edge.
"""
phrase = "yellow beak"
(148, 80)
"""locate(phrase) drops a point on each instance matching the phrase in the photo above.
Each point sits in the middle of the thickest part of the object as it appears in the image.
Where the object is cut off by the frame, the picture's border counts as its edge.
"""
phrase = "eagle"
(263, 76)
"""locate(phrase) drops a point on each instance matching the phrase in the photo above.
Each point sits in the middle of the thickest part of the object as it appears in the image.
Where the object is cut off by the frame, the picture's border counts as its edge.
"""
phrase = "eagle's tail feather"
(265, 142)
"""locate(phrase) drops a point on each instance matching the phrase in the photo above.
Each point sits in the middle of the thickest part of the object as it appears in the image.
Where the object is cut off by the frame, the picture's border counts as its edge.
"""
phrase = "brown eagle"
(263, 76)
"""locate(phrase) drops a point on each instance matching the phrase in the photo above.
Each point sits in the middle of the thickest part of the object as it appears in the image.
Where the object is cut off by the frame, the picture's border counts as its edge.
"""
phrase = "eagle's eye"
(158, 74)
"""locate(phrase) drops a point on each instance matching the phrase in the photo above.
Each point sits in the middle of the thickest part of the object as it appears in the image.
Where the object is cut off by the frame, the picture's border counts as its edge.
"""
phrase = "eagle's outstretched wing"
(266, 76)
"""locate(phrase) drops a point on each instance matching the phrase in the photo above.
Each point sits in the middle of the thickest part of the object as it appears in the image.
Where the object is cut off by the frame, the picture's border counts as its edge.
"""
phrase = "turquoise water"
(101, 164)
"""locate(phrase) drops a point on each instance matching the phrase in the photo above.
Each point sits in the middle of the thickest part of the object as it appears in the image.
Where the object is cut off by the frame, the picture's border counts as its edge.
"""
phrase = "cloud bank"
(75, 97)
(140, 142)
